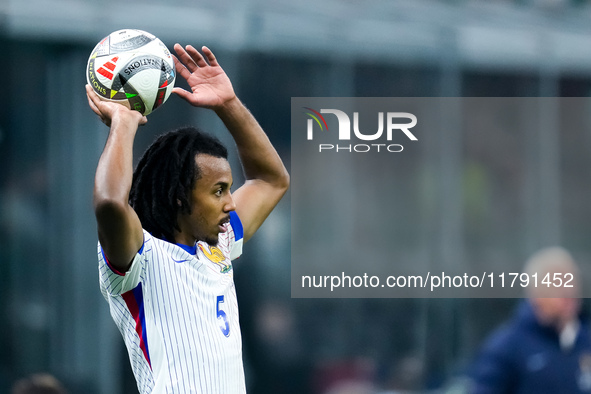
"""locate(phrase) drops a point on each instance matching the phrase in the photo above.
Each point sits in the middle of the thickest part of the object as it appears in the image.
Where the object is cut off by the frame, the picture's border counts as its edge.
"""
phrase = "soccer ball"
(133, 68)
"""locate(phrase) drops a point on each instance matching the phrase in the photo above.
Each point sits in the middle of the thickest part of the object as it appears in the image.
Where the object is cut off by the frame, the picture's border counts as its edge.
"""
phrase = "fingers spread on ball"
(91, 95)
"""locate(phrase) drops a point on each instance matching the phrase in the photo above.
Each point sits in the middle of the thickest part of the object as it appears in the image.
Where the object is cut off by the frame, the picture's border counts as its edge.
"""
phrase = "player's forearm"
(259, 158)
(115, 169)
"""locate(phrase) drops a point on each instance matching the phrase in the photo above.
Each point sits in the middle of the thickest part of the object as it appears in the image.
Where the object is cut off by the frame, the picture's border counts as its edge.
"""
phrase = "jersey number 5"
(222, 315)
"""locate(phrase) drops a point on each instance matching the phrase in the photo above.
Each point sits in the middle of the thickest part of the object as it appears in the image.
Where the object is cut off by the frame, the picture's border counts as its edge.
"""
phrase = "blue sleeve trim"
(116, 271)
(236, 226)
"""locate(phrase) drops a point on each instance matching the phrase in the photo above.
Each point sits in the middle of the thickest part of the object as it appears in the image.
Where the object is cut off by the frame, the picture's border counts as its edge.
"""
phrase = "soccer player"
(168, 232)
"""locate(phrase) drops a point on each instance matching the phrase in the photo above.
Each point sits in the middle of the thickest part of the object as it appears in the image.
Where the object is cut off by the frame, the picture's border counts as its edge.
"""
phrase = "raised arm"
(267, 179)
(119, 228)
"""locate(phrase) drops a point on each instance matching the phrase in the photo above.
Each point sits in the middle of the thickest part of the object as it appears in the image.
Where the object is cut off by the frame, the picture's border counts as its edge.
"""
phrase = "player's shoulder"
(163, 247)
(230, 241)
(236, 224)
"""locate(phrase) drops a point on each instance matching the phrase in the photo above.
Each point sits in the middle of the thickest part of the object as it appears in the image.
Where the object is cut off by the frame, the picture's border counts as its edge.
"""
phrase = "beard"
(211, 241)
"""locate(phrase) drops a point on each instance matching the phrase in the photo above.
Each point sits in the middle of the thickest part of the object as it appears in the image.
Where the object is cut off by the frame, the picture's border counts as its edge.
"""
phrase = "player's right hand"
(108, 111)
(210, 86)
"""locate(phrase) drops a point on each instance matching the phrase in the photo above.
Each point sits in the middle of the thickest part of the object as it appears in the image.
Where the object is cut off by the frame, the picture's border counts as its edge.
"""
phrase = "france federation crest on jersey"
(216, 256)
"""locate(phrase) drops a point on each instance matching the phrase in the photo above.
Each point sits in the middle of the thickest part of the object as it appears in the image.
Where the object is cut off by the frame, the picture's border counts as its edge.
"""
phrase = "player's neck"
(182, 238)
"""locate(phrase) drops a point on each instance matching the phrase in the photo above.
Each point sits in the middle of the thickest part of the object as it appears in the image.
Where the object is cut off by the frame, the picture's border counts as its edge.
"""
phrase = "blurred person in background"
(41, 383)
(546, 346)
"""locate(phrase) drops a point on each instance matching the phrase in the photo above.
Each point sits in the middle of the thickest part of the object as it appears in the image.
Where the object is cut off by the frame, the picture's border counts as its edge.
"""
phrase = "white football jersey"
(177, 310)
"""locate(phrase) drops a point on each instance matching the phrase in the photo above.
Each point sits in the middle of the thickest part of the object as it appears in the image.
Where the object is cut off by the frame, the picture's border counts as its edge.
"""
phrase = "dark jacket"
(524, 357)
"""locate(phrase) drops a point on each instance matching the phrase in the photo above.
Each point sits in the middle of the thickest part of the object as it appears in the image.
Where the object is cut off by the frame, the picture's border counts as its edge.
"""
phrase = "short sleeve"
(112, 281)
(237, 239)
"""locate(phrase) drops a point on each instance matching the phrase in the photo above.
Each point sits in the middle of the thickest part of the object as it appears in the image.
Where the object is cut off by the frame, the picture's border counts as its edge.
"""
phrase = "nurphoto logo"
(394, 124)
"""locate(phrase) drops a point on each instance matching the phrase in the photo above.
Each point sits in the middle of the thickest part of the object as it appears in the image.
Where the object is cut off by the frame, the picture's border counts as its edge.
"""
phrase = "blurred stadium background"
(499, 195)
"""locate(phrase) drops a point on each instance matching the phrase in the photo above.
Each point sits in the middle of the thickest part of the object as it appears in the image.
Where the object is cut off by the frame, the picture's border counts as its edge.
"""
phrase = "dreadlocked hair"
(165, 176)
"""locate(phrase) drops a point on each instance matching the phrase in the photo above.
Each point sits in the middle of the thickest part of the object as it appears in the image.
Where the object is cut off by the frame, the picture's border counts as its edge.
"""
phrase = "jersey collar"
(189, 249)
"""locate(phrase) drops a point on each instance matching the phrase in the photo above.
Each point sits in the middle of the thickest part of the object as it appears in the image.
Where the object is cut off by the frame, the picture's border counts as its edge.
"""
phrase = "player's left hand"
(210, 86)
(109, 112)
